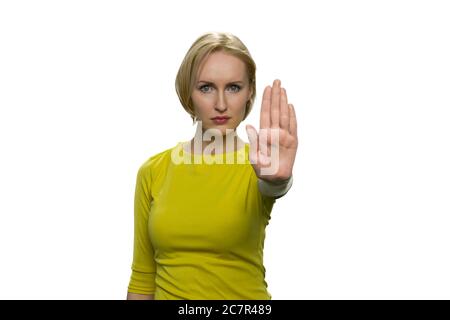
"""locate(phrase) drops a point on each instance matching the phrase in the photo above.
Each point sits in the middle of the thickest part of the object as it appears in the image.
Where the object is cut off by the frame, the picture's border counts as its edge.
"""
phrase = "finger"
(275, 105)
(284, 110)
(253, 139)
(264, 121)
(292, 120)
(263, 141)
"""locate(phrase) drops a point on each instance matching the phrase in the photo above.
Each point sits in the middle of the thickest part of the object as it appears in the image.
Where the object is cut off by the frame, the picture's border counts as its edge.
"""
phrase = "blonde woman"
(200, 212)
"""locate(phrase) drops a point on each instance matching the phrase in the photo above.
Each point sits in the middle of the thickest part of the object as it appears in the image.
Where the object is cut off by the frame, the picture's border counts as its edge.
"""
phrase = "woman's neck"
(230, 143)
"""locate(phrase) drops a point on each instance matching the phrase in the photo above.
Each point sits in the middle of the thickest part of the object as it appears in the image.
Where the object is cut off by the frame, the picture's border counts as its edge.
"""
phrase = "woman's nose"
(220, 103)
(220, 107)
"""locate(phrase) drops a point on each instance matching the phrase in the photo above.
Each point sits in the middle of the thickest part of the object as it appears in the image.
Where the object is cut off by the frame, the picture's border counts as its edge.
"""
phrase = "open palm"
(275, 145)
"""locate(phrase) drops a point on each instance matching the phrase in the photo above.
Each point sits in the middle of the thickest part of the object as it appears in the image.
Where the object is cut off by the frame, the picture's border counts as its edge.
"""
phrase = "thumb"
(253, 139)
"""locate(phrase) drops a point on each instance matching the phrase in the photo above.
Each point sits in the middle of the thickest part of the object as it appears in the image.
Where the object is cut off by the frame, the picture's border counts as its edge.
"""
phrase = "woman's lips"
(220, 120)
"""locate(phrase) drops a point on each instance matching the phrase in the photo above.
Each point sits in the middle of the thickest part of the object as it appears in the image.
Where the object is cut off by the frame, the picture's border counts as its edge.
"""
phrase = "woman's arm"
(275, 189)
(142, 280)
(136, 296)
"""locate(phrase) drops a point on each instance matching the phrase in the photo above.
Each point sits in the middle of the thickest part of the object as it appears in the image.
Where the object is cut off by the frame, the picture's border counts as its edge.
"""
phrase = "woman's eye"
(236, 88)
(201, 88)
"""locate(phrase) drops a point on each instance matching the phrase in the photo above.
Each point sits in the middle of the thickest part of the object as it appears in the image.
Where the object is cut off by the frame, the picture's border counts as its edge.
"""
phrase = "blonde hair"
(201, 48)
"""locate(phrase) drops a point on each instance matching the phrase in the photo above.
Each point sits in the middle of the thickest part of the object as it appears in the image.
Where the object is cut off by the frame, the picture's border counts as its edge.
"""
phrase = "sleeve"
(270, 192)
(143, 267)
(275, 189)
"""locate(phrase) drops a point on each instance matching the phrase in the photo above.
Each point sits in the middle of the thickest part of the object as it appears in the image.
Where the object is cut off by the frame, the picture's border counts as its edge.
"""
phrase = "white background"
(87, 95)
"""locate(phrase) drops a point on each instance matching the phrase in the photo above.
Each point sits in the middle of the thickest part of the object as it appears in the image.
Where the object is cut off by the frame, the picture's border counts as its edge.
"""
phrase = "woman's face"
(222, 89)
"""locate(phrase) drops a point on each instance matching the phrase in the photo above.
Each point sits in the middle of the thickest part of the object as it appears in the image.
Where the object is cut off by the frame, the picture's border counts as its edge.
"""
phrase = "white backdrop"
(87, 95)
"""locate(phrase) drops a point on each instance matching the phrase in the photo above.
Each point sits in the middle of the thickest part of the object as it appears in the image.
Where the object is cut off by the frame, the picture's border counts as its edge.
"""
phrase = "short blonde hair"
(202, 47)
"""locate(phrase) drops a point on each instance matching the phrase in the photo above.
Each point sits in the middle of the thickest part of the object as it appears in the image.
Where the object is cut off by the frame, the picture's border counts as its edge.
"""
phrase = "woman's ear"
(250, 92)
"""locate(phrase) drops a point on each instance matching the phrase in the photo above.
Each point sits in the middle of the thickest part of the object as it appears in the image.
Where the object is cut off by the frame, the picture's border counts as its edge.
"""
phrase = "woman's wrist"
(275, 188)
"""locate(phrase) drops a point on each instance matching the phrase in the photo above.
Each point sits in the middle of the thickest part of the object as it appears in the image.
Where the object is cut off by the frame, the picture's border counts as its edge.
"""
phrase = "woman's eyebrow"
(209, 82)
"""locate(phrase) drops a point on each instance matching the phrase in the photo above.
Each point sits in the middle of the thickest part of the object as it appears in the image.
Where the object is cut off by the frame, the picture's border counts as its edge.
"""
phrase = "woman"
(200, 211)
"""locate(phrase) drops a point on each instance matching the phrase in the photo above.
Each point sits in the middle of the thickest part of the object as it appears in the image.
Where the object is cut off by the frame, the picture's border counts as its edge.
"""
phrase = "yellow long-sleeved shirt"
(199, 228)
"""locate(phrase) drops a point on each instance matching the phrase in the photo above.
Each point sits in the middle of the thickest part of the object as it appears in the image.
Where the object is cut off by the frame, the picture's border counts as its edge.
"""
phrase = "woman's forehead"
(222, 68)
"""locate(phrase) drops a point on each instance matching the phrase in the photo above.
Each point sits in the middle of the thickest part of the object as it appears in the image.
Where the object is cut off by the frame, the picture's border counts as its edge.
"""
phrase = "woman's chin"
(224, 129)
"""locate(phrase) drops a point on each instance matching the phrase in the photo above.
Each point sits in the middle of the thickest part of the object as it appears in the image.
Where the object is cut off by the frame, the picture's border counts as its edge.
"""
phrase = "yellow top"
(199, 228)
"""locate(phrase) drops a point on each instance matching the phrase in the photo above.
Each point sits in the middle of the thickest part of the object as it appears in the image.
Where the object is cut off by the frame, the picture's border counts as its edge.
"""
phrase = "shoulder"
(155, 161)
